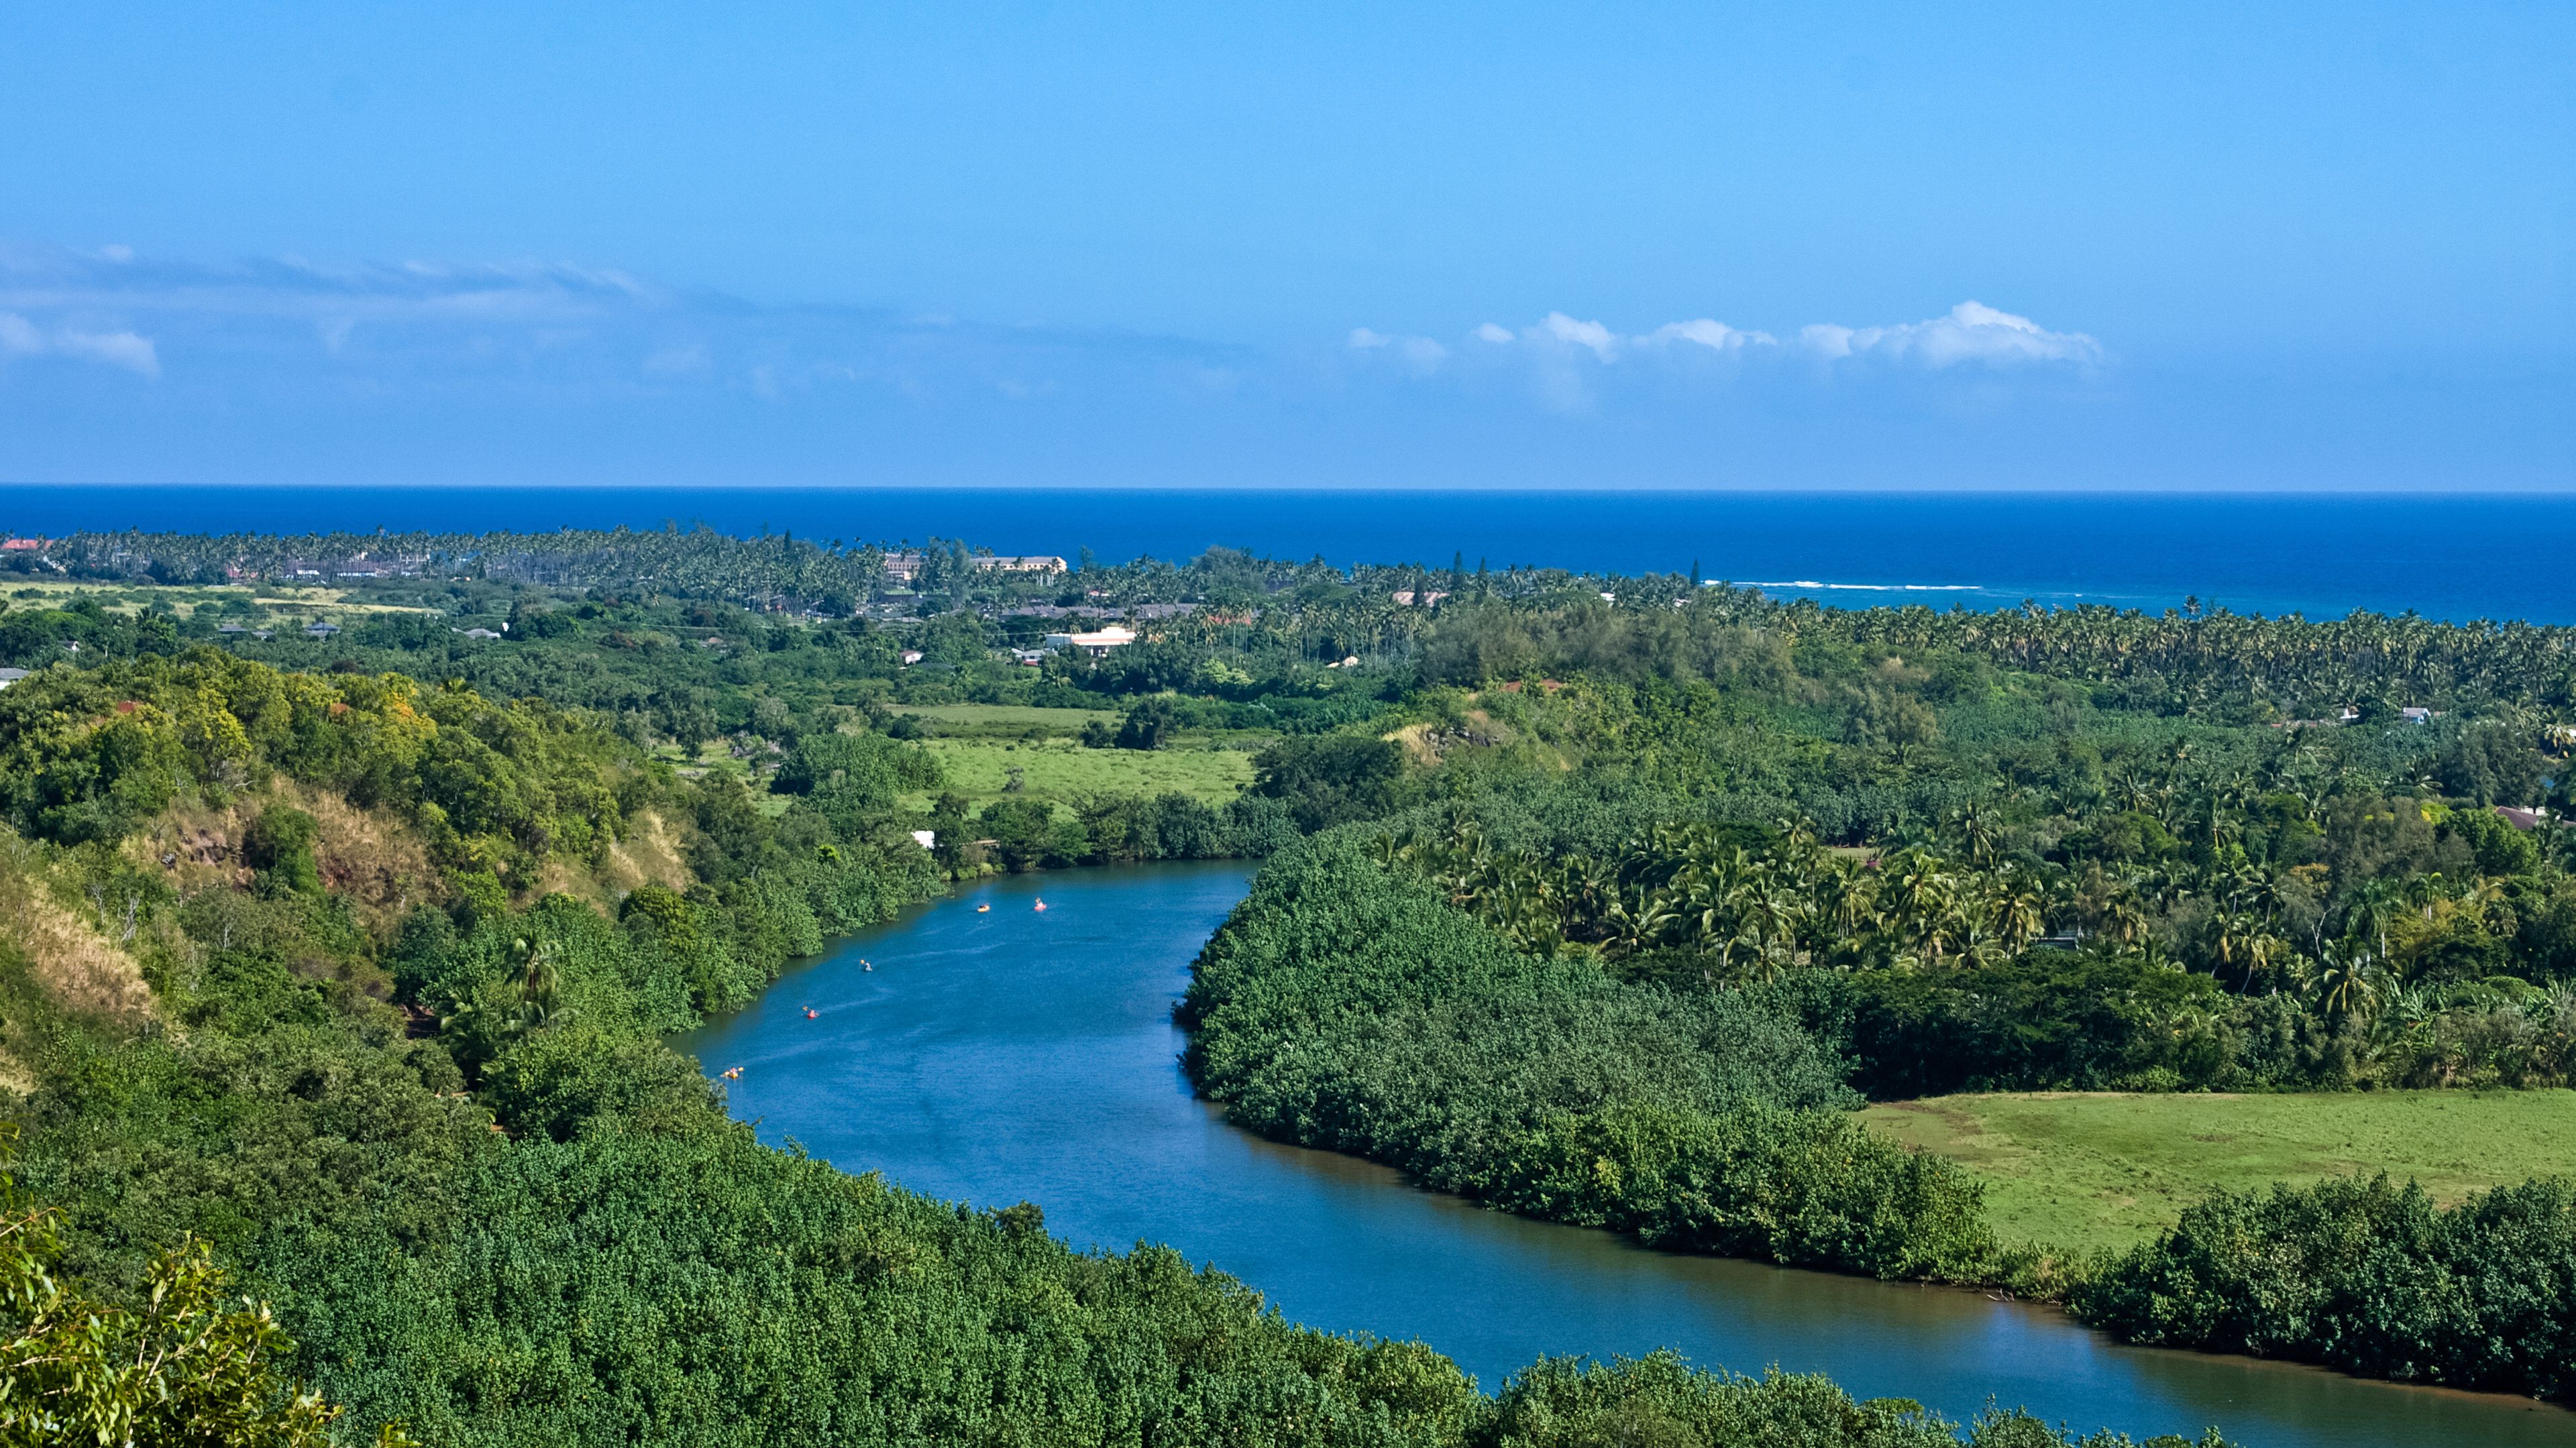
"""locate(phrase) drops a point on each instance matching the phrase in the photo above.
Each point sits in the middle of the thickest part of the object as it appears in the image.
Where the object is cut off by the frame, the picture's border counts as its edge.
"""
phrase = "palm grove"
(349, 957)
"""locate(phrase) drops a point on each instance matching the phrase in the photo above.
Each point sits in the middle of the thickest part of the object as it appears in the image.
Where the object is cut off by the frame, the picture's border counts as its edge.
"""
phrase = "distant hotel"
(903, 568)
(1097, 643)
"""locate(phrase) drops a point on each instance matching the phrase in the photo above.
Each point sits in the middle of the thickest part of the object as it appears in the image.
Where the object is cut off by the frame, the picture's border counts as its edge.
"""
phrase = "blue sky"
(1896, 246)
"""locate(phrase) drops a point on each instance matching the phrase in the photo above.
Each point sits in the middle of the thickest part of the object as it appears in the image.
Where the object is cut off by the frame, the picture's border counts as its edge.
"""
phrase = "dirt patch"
(373, 858)
(1417, 744)
(650, 854)
(647, 856)
(1428, 744)
(73, 963)
(193, 846)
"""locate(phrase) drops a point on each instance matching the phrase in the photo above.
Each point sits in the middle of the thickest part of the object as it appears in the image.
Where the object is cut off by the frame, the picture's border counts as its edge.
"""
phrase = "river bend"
(1008, 1054)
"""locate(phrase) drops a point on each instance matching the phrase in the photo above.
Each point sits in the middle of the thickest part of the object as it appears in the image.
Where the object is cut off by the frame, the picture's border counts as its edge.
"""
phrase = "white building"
(1097, 644)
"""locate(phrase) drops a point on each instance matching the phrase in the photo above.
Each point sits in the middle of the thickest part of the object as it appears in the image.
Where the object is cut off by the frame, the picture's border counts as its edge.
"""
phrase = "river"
(1010, 1054)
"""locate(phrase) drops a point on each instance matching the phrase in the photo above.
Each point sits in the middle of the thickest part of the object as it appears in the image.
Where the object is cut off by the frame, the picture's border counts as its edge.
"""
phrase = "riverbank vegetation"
(1348, 1008)
(354, 989)
(347, 952)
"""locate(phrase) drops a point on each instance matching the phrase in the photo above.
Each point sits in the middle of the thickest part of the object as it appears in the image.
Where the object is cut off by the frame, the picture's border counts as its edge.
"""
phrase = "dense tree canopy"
(1616, 894)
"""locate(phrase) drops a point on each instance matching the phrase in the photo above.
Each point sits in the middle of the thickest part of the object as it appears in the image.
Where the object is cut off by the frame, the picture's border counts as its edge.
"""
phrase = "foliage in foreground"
(498, 1208)
(184, 1366)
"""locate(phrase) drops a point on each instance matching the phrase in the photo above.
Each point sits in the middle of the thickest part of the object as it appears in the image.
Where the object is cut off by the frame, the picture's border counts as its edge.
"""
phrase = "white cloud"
(1559, 327)
(1826, 340)
(117, 349)
(1972, 332)
(22, 338)
(1420, 353)
(1715, 336)
(546, 330)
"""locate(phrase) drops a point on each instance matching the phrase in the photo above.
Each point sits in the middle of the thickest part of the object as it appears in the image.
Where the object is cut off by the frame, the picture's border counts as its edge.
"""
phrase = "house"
(481, 633)
(321, 630)
(911, 657)
(927, 839)
(2417, 716)
(1030, 657)
(22, 545)
(11, 676)
(1404, 597)
(2523, 819)
(232, 628)
(1097, 644)
(903, 568)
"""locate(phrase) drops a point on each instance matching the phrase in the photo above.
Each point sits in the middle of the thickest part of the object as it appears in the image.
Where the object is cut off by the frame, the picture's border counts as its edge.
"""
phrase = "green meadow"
(979, 746)
(1063, 772)
(998, 721)
(2087, 1170)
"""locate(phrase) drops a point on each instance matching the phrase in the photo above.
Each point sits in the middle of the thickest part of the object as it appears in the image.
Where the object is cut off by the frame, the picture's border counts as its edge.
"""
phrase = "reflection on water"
(1015, 1054)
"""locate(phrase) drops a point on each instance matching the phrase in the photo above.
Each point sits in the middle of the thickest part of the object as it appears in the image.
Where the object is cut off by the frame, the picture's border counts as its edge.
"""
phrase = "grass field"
(2104, 1170)
(1005, 716)
(998, 722)
(1062, 772)
(185, 599)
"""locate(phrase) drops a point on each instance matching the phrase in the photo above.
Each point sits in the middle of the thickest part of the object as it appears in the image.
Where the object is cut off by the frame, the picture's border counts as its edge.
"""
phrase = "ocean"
(2444, 556)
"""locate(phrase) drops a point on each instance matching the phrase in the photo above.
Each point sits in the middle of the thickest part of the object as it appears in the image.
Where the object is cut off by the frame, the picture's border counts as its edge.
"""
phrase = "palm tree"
(2020, 910)
(1919, 897)
(2343, 980)
(2367, 912)
(540, 985)
(1979, 832)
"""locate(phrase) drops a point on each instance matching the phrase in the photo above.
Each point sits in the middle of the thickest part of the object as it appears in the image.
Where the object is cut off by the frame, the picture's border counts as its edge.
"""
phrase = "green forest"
(353, 915)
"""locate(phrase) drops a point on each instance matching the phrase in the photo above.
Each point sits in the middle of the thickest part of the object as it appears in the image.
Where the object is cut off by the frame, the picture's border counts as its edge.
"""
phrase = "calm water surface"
(2444, 555)
(1018, 1054)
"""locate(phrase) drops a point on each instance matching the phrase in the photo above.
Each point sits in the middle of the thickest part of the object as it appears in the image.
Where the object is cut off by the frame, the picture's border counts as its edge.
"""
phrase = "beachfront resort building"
(1096, 643)
(902, 568)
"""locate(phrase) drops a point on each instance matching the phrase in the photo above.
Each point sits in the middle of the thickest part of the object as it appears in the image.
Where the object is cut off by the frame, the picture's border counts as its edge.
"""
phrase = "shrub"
(2365, 1276)
(279, 844)
(1327, 779)
(1347, 1008)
